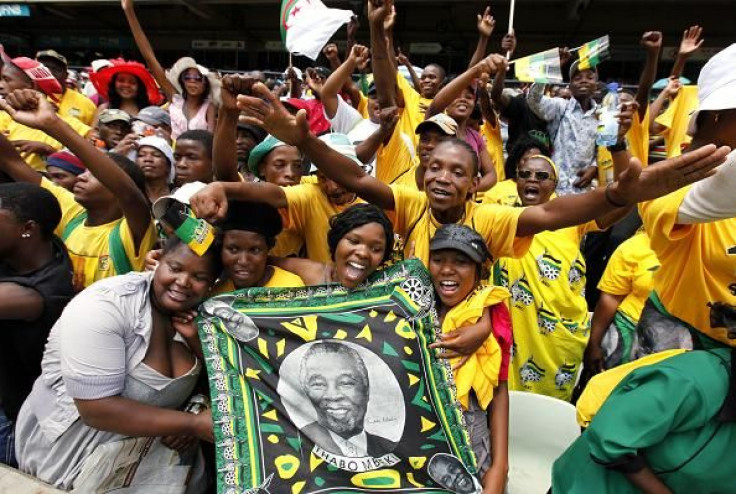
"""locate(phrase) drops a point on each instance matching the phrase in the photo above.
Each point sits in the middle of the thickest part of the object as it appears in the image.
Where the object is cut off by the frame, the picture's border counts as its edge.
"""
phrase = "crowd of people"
(574, 259)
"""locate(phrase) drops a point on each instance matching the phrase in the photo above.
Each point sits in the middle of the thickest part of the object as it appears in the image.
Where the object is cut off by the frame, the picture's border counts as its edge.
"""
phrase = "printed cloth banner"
(540, 67)
(307, 25)
(594, 52)
(325, 390)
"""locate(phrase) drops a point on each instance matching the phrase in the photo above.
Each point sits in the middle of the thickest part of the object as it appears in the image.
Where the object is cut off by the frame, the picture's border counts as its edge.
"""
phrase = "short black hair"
(28, 202)
(467, 147)
(443, 72)
(521, 146)
(255, 217)
(131, 169)
(355, 217)
(213, 253)
(204, 137)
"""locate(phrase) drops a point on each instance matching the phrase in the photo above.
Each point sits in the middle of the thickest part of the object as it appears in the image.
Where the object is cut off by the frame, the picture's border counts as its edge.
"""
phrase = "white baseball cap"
(182, 195)
(716, 85)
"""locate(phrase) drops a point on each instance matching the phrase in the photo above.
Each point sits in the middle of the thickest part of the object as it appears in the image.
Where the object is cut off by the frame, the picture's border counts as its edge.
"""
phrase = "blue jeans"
(7, 440)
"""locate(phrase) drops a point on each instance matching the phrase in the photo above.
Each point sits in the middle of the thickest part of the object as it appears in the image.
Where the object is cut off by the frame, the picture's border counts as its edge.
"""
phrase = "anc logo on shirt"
(521, 293)
(565, 375)
(549, 267)
(531, 372)
(577, 272)
(547, 321)
(104, 263)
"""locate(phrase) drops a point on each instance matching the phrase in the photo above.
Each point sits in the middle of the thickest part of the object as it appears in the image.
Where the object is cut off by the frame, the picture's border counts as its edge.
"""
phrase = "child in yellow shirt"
(476, 336)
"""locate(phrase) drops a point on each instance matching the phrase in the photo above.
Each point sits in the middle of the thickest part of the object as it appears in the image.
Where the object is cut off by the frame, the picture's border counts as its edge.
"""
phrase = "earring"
(716, 117)
(26, 235)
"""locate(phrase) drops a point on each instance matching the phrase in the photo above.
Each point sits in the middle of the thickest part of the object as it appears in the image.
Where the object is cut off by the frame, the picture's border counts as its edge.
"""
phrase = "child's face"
(454, 275)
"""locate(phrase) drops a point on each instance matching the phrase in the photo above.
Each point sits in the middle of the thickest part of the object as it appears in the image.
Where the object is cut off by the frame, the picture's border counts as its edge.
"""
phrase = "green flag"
(594, 52)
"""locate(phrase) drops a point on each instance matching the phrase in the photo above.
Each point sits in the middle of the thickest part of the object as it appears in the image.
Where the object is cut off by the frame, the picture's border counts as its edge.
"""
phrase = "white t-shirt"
(349, 121)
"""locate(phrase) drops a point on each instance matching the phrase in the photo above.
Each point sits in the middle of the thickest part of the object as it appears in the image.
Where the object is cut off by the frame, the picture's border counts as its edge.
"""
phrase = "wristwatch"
(619, 146)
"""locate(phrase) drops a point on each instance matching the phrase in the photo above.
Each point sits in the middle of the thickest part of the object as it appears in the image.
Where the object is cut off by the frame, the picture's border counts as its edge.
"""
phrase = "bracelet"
(611, 201)
(619, 146)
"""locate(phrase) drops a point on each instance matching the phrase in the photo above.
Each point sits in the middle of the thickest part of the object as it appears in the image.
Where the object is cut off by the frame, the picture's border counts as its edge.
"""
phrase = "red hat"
(101, 80)
(37, 72)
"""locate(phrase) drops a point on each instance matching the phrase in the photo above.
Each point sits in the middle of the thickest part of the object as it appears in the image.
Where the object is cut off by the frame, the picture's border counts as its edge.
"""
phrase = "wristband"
(610, 200)
(619, 146)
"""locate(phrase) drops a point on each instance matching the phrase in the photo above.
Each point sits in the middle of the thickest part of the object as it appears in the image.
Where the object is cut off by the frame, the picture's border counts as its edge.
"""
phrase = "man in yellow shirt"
(451, 179)
(33, 144)
(106, 222)
(73, 104)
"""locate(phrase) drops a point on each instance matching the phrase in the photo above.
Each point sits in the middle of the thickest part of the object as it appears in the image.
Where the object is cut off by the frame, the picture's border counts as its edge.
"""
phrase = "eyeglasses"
(193, 77)
(539, 176)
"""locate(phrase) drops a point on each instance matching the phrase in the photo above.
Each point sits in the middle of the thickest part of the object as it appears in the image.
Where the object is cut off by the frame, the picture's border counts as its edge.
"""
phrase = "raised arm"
(141, 41)
(366, 150)
(211, 203)
(669, 92)
(402, 59)
(13, 164)
(225, 156)
(634, 185)
(31, 108)
(358, 58)
(332, 56)
(691, 42)
(384, 70)
(499, 99)
(485, 25)
(453, 89)
(265, 110)
(543, 106)
(621, 161)
(652, 43)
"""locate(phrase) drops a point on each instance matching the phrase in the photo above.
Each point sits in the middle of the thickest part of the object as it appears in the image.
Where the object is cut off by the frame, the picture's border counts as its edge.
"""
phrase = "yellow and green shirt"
(548, 312)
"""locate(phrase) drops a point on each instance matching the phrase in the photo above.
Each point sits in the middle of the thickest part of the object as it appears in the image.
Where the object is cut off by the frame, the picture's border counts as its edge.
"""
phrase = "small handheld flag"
(540, 67)
(594, 52)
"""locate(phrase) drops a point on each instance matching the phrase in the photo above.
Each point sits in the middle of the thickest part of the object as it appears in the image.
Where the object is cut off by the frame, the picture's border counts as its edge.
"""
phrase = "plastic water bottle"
(607, 132)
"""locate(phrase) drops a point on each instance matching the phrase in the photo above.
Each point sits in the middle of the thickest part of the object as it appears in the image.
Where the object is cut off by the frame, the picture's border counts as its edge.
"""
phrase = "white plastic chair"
(540, 430)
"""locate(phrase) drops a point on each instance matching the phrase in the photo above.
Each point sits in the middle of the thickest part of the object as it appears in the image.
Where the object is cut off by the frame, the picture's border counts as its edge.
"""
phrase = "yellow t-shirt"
(309, 213)
(409, 177)
(414, 222)
(363, 106)
(397, 156)
(4, 122)
(414, 103)
(697, 263)
(89, 247)
(308, 179)
(19, 132)
(638, 138)
(280, 278)
(549, 313)
(677, 118)
(494, 143)
(629, 273)
(480, 371)
(504, 193)
(76, 105)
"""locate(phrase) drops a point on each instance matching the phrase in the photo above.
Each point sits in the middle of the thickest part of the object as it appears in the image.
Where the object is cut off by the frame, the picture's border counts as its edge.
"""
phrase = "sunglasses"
(193, 77)
(539, 176)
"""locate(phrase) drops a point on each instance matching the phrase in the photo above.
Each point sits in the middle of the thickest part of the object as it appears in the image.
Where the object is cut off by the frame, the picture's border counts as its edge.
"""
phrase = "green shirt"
(667, 413)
